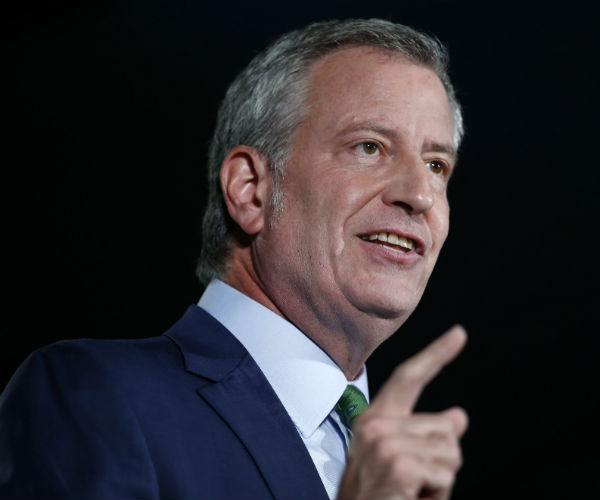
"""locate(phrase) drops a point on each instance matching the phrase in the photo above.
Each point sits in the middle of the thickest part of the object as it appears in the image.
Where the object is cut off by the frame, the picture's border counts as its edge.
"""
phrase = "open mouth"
(391, 241)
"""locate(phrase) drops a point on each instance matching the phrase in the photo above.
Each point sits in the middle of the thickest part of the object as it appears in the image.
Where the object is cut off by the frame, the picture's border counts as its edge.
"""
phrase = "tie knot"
(351, 405)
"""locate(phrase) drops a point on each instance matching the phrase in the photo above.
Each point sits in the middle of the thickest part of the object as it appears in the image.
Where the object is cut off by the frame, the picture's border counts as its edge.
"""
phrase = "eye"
(369, 148)
(436, 166)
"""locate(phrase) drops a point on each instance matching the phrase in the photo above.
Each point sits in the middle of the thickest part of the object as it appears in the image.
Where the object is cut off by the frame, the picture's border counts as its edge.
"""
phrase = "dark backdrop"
(111, 105)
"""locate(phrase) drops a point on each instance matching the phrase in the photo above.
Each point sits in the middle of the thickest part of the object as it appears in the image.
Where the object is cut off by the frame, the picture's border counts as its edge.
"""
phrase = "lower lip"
(404, 259)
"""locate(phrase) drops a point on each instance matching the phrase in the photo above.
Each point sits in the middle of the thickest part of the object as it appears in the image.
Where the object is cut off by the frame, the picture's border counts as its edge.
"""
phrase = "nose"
(410, 186)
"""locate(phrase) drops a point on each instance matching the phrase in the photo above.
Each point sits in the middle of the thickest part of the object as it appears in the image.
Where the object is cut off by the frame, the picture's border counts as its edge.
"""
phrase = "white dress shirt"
(306, 380)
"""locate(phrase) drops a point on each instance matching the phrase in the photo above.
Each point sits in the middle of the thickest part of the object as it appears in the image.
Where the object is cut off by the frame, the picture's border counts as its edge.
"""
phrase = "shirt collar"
(306, 380)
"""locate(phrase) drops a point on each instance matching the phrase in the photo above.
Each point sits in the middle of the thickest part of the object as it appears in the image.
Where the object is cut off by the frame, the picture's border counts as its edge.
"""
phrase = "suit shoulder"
(87, 367)
(70, 407)
(106, 355)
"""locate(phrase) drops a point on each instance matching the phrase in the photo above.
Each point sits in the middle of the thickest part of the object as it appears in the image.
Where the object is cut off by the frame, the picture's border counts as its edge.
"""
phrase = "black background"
(110, 108)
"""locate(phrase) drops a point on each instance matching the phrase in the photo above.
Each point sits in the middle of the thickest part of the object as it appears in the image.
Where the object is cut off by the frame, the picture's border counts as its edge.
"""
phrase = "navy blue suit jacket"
(185, 415)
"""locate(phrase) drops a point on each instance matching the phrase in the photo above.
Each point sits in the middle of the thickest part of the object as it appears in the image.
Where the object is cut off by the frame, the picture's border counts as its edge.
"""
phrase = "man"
(327, 211)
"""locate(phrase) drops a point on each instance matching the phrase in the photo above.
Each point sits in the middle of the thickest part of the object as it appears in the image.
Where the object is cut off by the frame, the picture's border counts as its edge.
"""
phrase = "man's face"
(370, 162)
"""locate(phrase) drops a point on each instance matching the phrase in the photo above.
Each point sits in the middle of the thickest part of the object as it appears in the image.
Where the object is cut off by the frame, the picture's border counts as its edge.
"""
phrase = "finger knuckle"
(409, 372)
(384, 449)
(442, 441)
(448, 447)
(458, 457)
(446, 424)
(368, 429)
(444, 477)
(405, 469)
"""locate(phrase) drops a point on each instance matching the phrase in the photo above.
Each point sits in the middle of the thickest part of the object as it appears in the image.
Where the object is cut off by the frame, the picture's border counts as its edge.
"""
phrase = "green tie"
(351, 405)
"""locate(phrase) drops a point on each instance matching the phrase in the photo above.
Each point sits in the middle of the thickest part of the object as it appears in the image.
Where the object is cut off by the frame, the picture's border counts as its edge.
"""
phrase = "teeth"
(391, 238)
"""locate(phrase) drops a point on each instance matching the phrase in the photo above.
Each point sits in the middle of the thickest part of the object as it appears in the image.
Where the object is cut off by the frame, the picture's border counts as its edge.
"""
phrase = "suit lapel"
(244, 399)
(248, 404)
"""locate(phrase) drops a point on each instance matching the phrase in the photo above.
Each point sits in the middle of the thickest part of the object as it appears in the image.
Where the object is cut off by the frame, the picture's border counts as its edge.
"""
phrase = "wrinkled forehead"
(363, 82)
(372, 75)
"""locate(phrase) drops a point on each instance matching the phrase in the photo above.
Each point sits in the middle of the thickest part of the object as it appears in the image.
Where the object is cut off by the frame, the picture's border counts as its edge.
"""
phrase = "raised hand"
(398, 454)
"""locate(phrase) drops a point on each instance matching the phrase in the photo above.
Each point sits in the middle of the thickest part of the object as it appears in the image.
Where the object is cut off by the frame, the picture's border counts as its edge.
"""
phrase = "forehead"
(351, 83)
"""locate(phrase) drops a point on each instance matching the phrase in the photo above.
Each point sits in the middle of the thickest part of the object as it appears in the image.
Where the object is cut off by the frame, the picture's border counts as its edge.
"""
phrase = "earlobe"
(246, 183)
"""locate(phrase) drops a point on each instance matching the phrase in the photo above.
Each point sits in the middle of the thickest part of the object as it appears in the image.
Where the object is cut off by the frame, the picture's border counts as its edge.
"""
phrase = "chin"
(389, 306)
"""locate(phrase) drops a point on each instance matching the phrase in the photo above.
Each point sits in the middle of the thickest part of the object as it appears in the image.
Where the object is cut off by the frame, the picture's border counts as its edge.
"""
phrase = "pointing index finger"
(399, 394)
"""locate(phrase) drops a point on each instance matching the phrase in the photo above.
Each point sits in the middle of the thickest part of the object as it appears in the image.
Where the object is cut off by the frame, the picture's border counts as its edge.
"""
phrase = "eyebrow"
(433, 147)
(436, 147)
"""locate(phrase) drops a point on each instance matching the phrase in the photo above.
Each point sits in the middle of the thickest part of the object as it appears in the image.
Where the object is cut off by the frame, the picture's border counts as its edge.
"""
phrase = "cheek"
(328, 202)
(349, 203)
(440, 225)
(308, 231)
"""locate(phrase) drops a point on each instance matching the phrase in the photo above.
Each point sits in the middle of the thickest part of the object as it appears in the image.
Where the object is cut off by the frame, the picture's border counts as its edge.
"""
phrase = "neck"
(347, 343)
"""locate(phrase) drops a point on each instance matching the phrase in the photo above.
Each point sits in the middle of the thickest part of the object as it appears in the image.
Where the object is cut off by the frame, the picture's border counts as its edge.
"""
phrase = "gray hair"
(266, 102)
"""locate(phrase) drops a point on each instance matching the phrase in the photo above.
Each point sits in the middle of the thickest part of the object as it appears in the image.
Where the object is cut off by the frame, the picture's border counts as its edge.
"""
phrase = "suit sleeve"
(67, 431)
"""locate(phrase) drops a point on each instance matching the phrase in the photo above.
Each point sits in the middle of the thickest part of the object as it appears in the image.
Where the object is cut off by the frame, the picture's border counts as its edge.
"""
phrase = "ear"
(246, 185)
